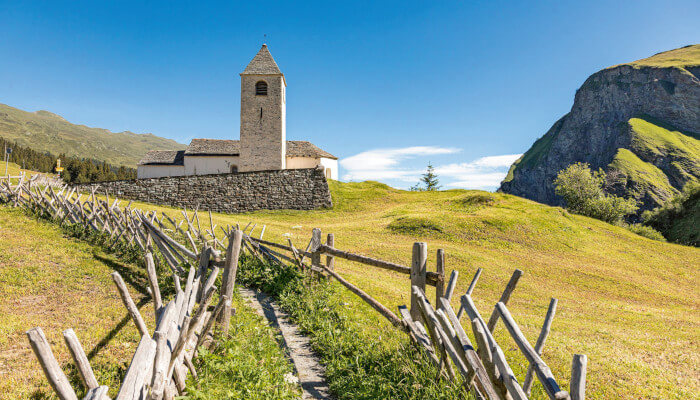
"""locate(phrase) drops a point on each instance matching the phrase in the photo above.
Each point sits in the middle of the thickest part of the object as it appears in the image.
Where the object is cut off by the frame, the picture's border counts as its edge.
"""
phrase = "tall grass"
(359, 364)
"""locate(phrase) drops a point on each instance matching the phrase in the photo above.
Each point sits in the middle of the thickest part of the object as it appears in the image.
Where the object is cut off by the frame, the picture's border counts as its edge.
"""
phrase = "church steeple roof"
(262, 64)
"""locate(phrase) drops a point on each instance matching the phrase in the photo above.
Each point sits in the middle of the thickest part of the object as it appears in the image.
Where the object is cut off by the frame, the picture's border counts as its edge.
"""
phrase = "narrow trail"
(310, 371)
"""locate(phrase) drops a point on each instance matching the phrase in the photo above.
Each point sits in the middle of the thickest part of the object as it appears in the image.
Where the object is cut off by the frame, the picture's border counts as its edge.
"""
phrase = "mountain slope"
(638, 121)
(45, 131)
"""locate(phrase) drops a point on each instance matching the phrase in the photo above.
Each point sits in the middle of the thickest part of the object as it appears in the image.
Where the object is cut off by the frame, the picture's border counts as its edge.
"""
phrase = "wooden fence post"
(440, 269)
(80, 359)
(58, 380)
(330, 260)
(578, 377)
(315, 254)
(229, 278)
(418, 274)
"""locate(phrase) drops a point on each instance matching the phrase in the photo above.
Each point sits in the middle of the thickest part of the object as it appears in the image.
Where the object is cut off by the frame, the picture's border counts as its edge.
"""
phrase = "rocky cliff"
(639, 121)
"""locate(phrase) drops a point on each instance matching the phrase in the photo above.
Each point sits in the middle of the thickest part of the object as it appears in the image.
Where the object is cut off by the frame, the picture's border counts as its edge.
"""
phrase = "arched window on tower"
(261, 88)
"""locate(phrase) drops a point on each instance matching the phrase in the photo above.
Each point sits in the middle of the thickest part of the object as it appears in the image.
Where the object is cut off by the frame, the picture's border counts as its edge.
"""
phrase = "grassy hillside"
(57, 282)
(45, 131)
(687, 56)
(629, 303)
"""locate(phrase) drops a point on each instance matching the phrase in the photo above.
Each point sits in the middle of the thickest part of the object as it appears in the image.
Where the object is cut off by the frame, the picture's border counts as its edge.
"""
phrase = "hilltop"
(611, 283)
(45, 131)
(638, 121)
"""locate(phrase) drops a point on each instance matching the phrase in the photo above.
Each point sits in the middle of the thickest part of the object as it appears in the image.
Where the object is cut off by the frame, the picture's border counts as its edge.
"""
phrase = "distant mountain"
(45, 131)
(639, 121)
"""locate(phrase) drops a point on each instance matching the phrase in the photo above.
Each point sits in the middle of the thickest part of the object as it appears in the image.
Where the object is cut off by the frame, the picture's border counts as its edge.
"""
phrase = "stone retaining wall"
(296, 189)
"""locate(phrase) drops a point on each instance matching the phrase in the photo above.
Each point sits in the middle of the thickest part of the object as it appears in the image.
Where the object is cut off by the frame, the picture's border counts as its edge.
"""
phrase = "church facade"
(263, 144)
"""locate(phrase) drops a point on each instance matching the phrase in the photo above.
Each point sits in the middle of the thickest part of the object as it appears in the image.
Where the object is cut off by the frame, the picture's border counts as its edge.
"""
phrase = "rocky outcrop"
(639, 121)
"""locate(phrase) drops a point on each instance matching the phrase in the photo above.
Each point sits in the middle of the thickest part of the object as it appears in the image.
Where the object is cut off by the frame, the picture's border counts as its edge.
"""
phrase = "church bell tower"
(263, 115)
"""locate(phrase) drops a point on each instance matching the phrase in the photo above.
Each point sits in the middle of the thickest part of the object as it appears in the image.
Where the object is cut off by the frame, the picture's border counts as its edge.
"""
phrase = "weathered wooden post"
(80, 359)
(330, 260)
(229, 278)
(440, 269)
(315, 253)
(539, 345)
(58, 380)
(578, 377)
(419, 271)
(129, 303)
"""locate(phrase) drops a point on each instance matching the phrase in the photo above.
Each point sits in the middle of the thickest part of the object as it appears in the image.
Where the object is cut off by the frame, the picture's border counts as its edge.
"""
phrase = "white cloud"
(482, 173)
(381, 164)
(395, 166)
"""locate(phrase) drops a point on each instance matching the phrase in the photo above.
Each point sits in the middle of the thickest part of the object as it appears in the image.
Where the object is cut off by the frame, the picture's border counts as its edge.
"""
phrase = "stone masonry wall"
(297, 189)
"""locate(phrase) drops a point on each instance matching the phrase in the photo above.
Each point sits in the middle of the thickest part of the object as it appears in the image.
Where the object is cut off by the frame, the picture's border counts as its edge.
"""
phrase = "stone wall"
(297, 189)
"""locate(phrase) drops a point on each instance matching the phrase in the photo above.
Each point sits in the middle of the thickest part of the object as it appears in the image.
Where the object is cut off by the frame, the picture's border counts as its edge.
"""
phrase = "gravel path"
(310, 371)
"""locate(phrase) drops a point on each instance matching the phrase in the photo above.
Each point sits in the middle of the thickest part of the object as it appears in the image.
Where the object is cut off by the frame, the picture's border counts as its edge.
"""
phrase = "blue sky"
(385, 86)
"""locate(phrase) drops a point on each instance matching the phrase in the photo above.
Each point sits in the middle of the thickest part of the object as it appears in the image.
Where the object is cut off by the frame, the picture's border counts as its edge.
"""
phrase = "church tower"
(263, 115)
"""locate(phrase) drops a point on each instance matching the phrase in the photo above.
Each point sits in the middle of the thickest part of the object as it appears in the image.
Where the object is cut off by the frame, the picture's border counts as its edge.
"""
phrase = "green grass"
(248, 364)
(12, 169)
(687, 56)
(620, 295)
(45, 131)
(653, 140)
(60, 278)
(56, 282)
(415, 226)
(642, 177)
(361, 362)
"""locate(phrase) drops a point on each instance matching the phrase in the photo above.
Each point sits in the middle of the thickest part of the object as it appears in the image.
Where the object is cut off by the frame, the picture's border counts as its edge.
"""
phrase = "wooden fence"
(436, 329)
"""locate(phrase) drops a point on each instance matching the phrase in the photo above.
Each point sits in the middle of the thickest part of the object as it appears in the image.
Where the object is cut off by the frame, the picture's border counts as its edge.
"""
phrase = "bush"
(582, 190)
(679, 217)
(646, 231)
(414, 226)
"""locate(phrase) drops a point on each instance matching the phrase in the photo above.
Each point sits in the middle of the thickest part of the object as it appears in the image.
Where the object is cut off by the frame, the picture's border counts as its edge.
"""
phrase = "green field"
(629, 303)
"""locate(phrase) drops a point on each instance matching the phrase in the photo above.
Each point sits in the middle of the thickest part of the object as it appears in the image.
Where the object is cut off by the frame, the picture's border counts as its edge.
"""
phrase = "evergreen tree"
(430, 179)
(428, 182)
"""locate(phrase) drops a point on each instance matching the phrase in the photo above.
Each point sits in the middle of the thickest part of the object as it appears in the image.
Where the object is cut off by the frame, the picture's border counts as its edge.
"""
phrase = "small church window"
(261, 88)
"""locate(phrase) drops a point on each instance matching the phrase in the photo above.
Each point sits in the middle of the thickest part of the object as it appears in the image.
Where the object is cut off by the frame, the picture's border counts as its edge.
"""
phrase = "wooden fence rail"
(162, 360)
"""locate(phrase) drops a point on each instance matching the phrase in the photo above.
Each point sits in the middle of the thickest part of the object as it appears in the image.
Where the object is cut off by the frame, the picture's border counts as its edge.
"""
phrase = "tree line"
(75, 170)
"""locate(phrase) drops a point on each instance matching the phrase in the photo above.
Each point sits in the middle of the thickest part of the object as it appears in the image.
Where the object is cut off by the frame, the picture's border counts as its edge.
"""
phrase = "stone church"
(263, 144)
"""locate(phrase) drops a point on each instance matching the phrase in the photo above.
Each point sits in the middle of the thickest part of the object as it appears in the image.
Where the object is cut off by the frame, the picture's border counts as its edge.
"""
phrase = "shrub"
(414, 226)
(582, 190)
(646, 231)
(679, 217)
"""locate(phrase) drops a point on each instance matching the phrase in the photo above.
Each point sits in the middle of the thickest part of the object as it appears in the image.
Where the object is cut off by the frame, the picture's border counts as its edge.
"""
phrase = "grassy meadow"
(629, 303)
(56, 281)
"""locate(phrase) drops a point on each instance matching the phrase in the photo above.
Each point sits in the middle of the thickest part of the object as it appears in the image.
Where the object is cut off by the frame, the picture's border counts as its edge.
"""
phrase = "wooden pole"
(316, 243)
(153, 282)
(440, 269)
(229, 278)
(58, 380)
(367, 298)
(539, 345)
(330, 260)
(505, 297)
(543, 372)
(578, 377)
(418, 271)
(80, 359)
(129, 304)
